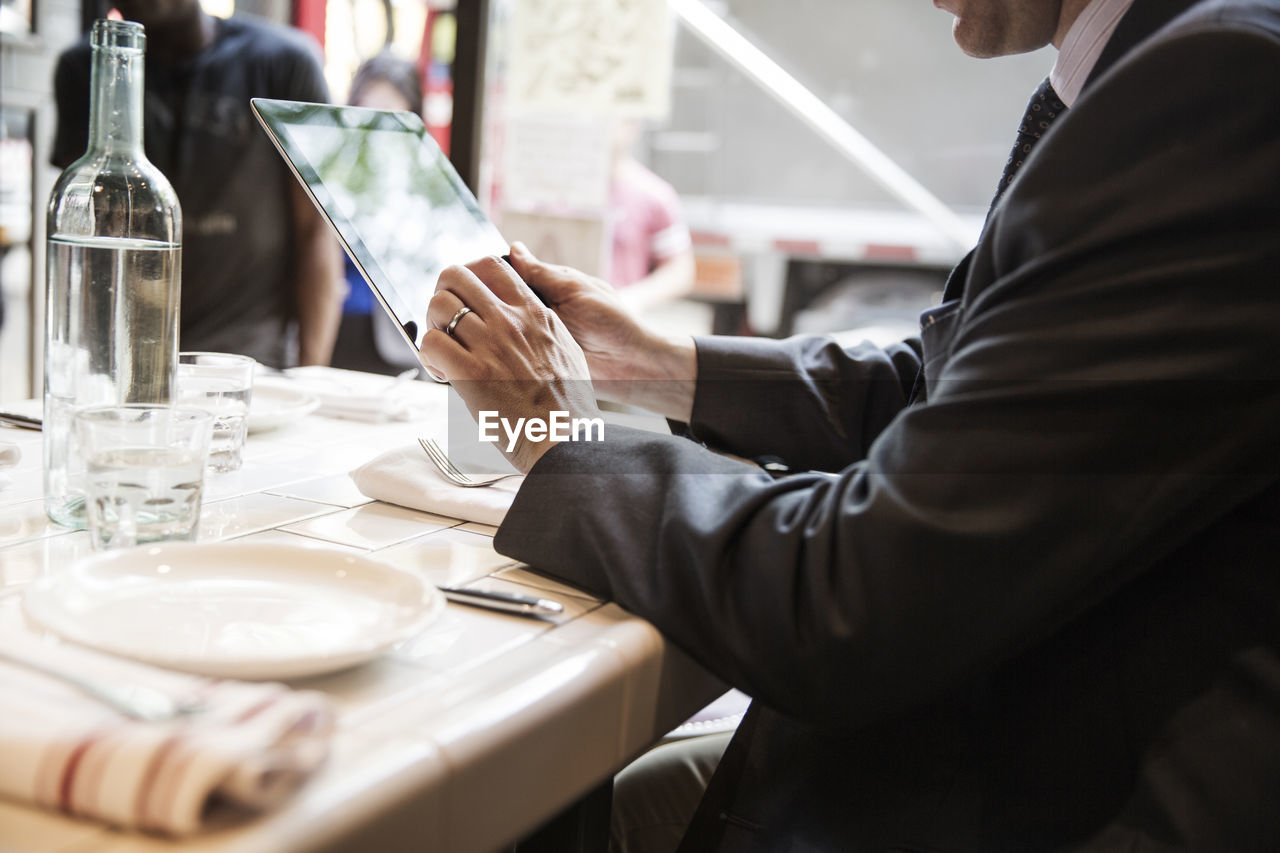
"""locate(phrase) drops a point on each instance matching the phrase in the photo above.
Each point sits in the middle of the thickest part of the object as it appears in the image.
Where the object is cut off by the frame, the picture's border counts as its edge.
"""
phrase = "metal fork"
(132, 700)
(452, 473)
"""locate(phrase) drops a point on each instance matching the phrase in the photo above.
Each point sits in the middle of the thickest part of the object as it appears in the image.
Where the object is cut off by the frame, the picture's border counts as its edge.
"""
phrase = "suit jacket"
(1037, 608)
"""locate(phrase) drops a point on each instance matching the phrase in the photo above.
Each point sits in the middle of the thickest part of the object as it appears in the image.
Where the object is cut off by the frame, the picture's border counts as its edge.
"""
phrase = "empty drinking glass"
(145, 472)
(221, 384)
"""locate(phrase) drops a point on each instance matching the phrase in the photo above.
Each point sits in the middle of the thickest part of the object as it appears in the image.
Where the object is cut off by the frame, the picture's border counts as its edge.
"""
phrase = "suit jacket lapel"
(955, 281)
(1143, 18)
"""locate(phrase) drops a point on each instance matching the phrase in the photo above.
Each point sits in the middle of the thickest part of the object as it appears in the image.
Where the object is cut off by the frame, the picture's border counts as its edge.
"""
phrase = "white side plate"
(235, 610)
(276, 404)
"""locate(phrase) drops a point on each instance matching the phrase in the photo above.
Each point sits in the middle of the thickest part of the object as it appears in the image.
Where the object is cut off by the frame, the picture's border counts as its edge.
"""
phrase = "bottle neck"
(116, 87)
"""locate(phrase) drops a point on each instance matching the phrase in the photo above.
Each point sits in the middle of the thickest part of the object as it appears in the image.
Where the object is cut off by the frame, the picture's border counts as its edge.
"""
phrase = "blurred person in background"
(261, 272)
(382, 82)
(652, 255)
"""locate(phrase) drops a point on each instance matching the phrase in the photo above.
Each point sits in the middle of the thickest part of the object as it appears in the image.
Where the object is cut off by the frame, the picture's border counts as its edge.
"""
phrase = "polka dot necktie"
(1045, 106)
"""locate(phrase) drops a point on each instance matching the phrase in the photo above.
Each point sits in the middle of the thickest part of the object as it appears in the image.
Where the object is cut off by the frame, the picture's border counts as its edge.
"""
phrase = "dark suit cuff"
(724, 364)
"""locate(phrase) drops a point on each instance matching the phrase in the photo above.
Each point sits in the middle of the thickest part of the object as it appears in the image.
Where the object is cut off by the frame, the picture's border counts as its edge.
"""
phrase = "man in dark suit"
(1020, 590)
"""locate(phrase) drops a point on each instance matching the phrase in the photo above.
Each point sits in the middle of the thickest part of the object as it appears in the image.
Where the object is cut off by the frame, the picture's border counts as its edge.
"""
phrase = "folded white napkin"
(356, 396)
(9, 455)
(406, 477)
(252, 746)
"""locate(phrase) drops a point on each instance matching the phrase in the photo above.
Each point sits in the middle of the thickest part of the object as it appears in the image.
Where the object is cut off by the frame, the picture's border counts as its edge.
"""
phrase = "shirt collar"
(1083, 45)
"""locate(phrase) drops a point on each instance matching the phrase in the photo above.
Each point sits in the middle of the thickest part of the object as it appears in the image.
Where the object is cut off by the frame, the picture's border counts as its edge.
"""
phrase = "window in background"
(568, 87)
(568, 83)
(779, 216)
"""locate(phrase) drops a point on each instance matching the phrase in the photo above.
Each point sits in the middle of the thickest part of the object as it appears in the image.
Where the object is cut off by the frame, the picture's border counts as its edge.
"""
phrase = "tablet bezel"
(276, 116)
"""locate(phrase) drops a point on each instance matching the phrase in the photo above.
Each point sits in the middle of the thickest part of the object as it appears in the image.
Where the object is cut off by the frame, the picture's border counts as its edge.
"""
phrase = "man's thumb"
(553, 283)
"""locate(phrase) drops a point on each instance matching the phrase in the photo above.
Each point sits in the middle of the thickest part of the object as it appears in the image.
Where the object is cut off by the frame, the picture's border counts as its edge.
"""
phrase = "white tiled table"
(463, 739)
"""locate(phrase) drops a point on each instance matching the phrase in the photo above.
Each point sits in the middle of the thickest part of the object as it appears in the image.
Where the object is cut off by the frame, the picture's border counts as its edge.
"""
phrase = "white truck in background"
(834, 159)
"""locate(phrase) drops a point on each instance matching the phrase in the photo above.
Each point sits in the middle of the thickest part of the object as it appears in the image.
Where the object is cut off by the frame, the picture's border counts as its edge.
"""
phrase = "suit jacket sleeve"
(804, 400)
(1111, 389)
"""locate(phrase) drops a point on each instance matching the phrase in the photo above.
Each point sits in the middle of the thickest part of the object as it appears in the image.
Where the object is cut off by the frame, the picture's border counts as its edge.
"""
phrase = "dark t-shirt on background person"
(356, 347)
(237, 240)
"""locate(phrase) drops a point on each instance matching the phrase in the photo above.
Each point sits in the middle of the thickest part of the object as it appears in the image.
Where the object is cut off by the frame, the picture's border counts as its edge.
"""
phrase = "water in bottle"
(114, 270)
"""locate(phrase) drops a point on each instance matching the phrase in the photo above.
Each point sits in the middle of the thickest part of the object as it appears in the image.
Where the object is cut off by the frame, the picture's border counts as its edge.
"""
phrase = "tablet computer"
(393, 198)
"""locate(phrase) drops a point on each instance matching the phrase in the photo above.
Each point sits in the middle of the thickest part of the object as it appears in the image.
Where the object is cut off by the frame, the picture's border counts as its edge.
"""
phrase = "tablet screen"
(395, 201)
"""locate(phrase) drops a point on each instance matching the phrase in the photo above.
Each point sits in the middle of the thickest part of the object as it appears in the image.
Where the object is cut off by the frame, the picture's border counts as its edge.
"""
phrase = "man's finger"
(554, 284)
(501, 279)
(443, 356)
(463, 283)
(442, 308)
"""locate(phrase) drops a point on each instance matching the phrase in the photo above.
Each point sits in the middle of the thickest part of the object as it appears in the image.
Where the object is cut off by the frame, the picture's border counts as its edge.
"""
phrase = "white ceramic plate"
(235, 610)
(275, 404)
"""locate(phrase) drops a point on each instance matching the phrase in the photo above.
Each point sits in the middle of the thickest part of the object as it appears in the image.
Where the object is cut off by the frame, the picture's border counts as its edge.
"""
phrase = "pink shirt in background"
(648, 227)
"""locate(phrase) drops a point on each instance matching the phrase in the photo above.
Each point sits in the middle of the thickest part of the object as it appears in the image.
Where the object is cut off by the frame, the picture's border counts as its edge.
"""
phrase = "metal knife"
(20, 421)
(507, 602)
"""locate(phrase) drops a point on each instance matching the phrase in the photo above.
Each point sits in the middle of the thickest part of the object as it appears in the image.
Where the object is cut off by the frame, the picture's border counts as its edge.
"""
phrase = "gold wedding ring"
(462, 312)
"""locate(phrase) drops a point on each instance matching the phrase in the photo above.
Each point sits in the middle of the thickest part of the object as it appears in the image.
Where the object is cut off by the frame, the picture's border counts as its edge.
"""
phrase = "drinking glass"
(221, 384)
(145, 471)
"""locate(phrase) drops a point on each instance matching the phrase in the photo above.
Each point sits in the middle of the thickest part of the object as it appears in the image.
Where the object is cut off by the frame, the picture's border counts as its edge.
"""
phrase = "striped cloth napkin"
(251, 747)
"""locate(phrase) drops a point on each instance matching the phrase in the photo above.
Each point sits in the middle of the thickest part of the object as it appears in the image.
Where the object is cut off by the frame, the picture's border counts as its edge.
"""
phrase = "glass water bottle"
(114, 270)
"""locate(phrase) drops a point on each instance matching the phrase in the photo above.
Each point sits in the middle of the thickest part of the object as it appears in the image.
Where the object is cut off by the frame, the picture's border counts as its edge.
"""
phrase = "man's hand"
(629, 363)
(510, 353)
(590, 309)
